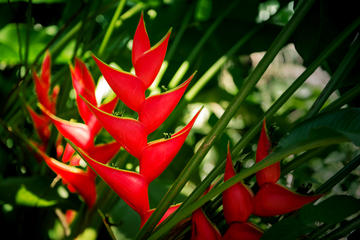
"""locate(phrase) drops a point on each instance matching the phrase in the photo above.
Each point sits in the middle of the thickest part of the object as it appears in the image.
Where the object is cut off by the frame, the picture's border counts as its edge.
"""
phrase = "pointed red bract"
(130, 186)
(128, 132)
(158, 154)
(148, 65)
(157, 108)
(270, 174)
(168, 212)
(68, 152)
(273, 199)
(77, 133)
(83, 84)
(237, 200)
(202, 228)
(41, 124)
(141, 42)
(104, 152)
(46, 70)
(129, 89)
(242, 231)
(42, 85)
(80, 180)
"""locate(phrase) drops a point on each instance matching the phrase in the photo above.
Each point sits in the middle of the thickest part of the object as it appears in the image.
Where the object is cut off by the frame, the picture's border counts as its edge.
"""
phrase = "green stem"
(272, 158)
(185, 65)
(340, 175)
(343, 230)
(111, 26)
(252, 79)
(129, 13)
(196, 88)
(299, 160)
(270, 112)
(108, 227)
(345, 66)
(344, 99)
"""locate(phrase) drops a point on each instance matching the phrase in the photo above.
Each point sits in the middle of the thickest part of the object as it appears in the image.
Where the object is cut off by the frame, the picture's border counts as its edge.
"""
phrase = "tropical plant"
(92, 95)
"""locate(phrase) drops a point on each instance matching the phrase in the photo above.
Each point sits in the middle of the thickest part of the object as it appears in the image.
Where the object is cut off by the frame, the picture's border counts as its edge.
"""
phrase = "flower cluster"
(42, 88)
(76, 179)
(131, 134)
(239, 202)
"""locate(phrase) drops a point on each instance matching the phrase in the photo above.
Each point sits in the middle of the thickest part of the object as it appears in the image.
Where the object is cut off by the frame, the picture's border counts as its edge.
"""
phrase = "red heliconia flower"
(237, 200)
(168, 212)
(42, 89)
(82, 135)
(242, 231)
(152, 110)
(130, 186)
(147, 61)
(42, 85)
(157, 155)
(273, 199)
(202, 228)
(131, 134)
(270, 174)
(78, 180)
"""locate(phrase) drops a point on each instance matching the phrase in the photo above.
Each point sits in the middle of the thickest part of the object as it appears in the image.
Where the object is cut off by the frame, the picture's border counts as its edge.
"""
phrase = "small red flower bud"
(270, 174)
(237, 200)
(273, 199)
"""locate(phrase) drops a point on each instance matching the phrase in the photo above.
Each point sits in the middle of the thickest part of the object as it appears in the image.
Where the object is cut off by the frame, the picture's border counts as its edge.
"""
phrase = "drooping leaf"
(330, 211)
(343, 123)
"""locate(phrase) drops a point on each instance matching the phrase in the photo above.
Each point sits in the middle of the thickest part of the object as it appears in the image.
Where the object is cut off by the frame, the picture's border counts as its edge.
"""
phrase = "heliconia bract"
(202, 228)
(273, 199)
(237, 200)
(270, 174)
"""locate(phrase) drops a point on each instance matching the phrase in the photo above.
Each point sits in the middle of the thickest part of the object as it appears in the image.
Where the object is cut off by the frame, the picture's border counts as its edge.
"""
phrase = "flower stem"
(111, 27)
(345, 66)
(340, 175)
(252, 79)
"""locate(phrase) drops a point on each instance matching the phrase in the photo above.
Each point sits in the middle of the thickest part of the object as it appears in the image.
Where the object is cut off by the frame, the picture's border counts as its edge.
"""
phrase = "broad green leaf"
(331, 211)
(343, 123)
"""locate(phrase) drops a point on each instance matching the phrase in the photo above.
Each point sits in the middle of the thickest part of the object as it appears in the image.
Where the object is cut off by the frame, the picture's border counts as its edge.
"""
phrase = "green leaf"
(343, 123)
(29, 191)
(331, 211)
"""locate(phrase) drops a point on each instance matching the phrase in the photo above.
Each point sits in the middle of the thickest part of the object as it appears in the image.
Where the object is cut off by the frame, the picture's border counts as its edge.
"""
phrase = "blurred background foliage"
(30, 207)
